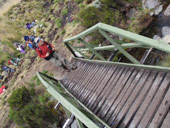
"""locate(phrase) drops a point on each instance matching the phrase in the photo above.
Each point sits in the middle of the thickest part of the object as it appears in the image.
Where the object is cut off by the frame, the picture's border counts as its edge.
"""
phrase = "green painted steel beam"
(70, 102)
(80, 125)
(91, 49)
(94, 116)
(161, 45)
(131, 58)
(112, 47)
(82, 34)
(139, 66)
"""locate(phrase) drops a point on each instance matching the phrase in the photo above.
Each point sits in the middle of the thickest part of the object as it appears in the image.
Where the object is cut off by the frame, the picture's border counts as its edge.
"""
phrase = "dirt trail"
(7, 6)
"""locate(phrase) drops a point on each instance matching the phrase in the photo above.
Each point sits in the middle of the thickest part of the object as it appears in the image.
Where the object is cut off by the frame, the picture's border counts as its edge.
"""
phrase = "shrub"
(36, 80)
(108, 3)
(44, 98)
(88, 1)
(88, 16)
(78, 1)
(91, 15)
(19, 98)
(64, 11)
(57, 1)
(34, 116)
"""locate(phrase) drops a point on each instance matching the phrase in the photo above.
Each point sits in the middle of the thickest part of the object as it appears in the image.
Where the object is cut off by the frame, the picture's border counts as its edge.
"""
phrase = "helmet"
(26, 38)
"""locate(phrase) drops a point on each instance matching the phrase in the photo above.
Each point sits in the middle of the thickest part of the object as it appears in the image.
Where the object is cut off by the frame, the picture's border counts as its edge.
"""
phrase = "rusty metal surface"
(122, 96)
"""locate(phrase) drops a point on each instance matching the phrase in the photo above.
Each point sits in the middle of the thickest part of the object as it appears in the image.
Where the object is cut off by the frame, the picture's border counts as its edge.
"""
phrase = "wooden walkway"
(122, 96)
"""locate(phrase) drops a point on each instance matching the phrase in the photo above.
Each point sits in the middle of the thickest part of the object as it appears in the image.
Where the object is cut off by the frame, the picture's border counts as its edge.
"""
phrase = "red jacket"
(42, 50)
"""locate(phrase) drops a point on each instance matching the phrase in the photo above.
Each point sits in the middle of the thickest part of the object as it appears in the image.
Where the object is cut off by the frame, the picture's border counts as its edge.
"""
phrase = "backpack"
(9, 62)
(35, 45)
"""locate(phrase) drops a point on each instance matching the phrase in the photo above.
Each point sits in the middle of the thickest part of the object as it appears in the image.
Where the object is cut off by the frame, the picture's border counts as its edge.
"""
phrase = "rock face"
(165, 31)
(167, 11)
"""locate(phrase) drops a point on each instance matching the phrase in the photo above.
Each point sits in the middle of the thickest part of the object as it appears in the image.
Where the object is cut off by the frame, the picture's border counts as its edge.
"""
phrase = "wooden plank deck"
(123, 97)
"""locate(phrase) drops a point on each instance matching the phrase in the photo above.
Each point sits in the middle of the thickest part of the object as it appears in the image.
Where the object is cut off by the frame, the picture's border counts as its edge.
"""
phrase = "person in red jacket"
(46, 51)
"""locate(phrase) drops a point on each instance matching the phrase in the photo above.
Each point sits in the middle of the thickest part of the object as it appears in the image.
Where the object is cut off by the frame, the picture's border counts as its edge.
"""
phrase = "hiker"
(20, 47)
(30, 25)
(30, 41)
(46, 51)
(7, 69)
(14, 61)
(2, 89)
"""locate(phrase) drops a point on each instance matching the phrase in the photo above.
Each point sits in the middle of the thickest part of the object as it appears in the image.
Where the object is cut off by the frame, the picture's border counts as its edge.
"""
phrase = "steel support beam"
(112, 47)
(131, 58)
(161, 45)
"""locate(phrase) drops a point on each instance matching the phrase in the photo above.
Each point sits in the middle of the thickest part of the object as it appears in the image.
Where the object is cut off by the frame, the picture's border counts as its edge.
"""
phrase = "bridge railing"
(63, 96)
(104, 29)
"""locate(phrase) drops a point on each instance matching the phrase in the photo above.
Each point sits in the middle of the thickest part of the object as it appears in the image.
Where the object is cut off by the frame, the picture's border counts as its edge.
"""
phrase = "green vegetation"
(19, 98)
(90, 16)
(31, 109)
(35, 79)
(141, 19)
(78, 1)
(58, 22)
(64, 11)
(57, 1)
(88, 1)
(166, 62)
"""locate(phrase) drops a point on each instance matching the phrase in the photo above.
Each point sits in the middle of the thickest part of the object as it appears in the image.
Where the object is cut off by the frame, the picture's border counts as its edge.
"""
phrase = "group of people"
(44, 50)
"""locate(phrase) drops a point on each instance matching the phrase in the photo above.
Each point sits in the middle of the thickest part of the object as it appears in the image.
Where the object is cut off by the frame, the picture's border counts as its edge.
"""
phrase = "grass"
(58, 22)
(141, 19)
(78, 1)
(64, 11)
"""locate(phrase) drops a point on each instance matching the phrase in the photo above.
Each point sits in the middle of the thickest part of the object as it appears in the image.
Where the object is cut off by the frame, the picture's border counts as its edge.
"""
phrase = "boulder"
(156, 37)
(167, 11)
(158, 9)
(167, 39)
(151, 4)
(131, 13)
(165, 31)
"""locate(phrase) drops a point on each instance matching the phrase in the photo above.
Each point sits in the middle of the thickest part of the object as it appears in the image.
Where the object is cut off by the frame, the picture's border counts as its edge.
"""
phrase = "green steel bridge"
(105, 94)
